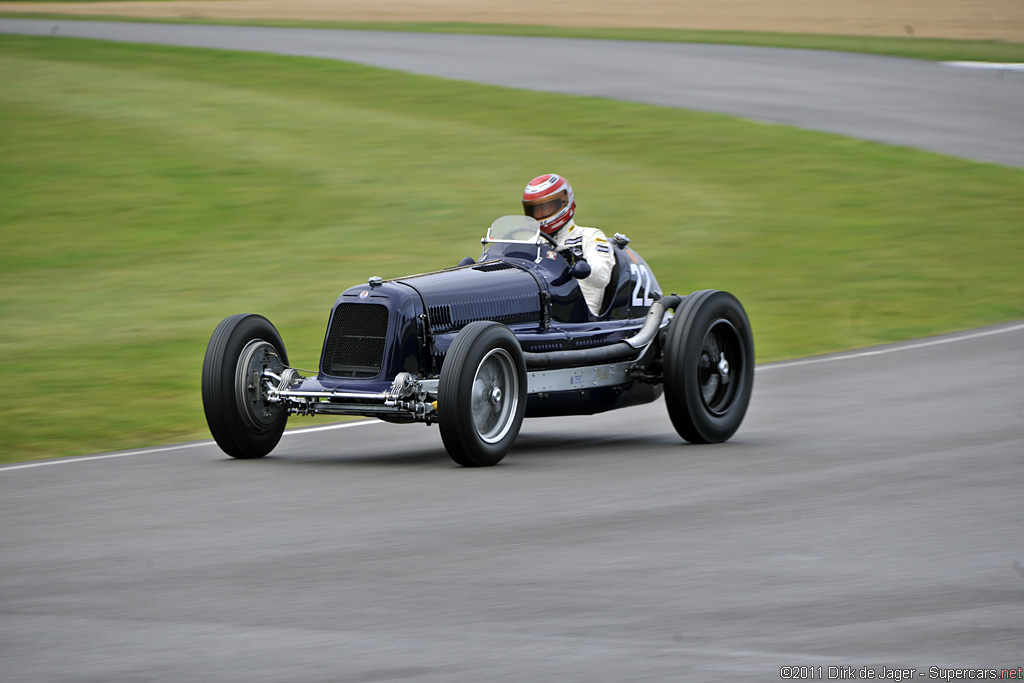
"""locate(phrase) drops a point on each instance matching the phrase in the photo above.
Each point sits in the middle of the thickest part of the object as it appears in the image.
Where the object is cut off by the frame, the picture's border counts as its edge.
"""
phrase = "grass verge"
(933, 49)
(147, 192)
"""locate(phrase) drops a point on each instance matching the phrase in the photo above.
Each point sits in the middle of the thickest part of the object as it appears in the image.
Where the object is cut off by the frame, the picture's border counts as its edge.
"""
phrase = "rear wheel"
(241, 420)
(481, 394)
(709, 367)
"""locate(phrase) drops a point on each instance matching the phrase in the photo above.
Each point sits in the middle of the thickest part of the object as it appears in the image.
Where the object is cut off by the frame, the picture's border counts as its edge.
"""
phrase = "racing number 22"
(642, 291)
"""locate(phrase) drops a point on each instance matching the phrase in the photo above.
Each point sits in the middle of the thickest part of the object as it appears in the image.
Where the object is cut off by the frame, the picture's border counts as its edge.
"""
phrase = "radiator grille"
(355, 342)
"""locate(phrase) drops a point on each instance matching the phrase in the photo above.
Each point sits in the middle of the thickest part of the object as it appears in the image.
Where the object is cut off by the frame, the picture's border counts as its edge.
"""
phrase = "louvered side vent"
(509, 309)
(440, 318)
(590, 342)
(355, 343)
(491, 267)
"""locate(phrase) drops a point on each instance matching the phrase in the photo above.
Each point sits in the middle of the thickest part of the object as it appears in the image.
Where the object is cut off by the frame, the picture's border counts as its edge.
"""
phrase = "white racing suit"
(594, 246)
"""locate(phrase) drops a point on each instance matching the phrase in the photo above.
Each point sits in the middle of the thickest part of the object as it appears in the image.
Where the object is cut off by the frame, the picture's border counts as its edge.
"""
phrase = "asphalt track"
(968, 112)
(869, 513)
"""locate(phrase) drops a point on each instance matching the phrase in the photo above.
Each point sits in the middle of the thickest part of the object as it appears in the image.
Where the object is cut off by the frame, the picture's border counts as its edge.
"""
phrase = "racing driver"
(549, 199)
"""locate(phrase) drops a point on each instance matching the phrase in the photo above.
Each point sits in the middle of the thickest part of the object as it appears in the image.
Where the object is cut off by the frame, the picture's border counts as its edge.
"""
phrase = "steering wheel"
(578, 265)
(565, 252)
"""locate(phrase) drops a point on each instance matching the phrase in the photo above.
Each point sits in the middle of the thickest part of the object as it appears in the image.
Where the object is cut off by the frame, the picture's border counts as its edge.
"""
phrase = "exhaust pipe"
(621, 350)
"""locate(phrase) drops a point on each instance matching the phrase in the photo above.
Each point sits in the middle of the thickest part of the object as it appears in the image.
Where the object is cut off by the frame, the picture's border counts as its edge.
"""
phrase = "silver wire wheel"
(495, 395)
(481, 394)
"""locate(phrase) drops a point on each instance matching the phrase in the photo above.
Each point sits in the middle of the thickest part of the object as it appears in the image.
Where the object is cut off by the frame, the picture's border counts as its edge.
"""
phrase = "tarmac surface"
(867, 514)
(976, 113)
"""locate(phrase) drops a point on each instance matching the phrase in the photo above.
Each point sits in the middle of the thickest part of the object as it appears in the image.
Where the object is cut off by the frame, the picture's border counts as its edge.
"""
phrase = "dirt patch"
(974, 19)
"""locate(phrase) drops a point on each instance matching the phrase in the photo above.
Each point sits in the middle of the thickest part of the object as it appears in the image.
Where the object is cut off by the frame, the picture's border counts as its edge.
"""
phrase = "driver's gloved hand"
(581, 269)
(571, 254)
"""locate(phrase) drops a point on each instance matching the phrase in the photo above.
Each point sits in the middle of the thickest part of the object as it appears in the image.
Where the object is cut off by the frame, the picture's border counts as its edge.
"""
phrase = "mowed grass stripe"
(148, 192)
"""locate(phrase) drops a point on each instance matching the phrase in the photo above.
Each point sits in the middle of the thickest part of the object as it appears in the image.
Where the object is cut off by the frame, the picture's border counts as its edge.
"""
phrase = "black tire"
(481, 394)
(709, 367)
(242, 423)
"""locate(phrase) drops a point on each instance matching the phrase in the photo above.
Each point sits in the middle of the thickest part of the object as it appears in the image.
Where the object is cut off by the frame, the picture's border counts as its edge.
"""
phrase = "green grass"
(934, 49)
(147, 192)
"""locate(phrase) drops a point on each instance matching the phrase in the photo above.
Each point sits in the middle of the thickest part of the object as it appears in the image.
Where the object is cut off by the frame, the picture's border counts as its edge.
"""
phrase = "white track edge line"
(891, 349)
(161, 449)
(997, 66)
(762, 368)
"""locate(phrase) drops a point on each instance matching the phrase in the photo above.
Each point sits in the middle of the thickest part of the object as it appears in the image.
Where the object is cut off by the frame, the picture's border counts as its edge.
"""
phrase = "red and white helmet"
(549, 199)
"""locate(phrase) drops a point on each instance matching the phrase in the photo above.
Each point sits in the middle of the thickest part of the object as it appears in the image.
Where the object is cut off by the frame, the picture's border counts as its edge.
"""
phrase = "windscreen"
(514, 229)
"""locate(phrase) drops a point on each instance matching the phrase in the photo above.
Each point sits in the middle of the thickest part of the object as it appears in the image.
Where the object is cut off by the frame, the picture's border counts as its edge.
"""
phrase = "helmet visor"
(546, 207)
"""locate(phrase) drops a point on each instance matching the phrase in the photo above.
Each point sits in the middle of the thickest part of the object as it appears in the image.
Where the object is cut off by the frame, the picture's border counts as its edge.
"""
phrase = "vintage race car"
(478, 347)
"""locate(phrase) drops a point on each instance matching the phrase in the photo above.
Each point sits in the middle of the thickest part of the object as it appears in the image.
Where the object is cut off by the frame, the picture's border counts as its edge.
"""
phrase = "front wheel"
(243, 423)
(709, 367)
(481, 396)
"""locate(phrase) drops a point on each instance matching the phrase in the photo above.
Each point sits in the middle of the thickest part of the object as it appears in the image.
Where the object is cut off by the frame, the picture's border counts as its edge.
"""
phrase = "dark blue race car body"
(477, 347)
(380, 329)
